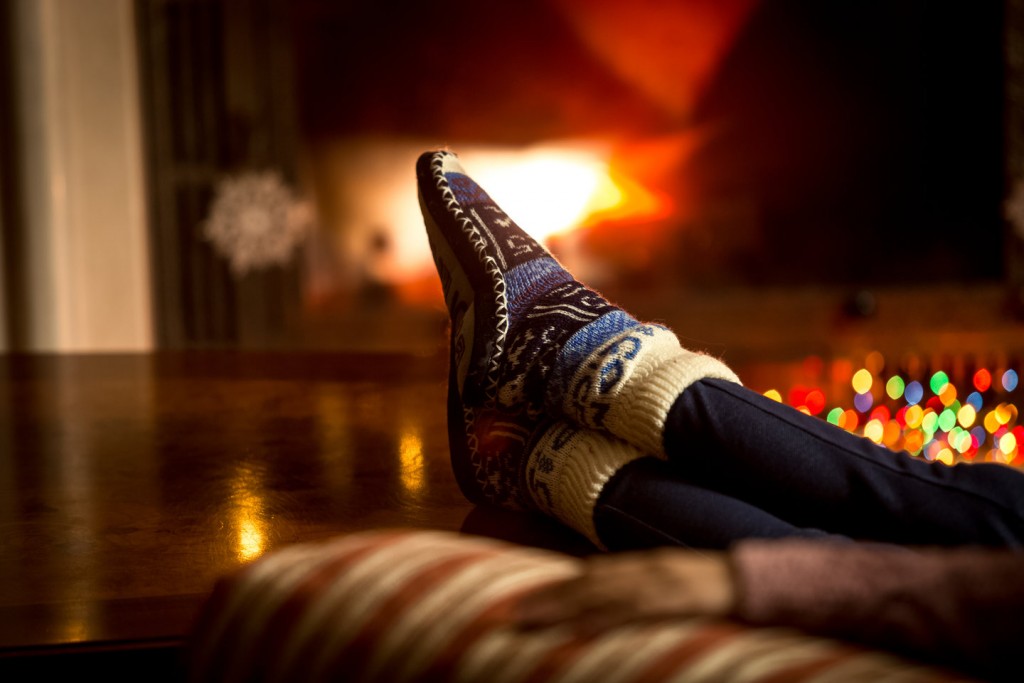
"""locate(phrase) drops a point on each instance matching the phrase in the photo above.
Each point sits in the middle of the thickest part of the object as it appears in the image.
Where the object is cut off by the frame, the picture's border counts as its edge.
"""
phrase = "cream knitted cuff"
(628, 386)
(567, 469)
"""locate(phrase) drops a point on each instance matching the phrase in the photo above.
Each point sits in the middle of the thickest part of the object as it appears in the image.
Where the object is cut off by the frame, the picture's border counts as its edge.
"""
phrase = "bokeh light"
(815, 401)
(958, 421)
(894, 387)
(991, 422)
(797, 395)
(881, 413)
(1008, 443)
(891, 435)
(1010, 380)
(874, 430)
(862, 381)
(863, 402)
(930, 422)
(900, 417)
(913, 442)
(914, 392)
(913, 416)
(966, 416)
(982, 380)
(975, 400)
(1004, 413)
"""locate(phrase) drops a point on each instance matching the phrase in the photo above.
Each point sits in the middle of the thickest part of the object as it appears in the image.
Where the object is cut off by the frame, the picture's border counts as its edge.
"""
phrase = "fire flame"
(552, 190)
(548, 189)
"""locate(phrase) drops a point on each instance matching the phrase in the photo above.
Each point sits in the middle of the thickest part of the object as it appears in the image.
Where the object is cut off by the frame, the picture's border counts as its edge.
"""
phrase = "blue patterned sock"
(530, 344)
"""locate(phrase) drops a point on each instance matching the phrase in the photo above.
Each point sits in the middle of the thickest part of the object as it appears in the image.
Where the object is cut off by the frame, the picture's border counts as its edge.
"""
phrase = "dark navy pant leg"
(724, 438)
(649, 504)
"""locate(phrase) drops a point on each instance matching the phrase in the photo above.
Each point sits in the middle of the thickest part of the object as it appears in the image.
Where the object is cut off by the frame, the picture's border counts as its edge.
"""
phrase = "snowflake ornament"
(1013, 209)
(255, 221)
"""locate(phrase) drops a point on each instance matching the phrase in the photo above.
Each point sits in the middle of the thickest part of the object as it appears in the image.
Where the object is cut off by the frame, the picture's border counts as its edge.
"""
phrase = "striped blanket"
(405, 605)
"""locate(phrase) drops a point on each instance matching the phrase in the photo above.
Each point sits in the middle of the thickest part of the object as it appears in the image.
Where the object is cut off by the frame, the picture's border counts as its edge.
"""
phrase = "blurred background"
(182, 173)
(804, 188)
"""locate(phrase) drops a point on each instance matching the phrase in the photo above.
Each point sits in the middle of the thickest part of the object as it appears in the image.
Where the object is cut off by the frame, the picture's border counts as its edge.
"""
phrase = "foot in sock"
(530, 344)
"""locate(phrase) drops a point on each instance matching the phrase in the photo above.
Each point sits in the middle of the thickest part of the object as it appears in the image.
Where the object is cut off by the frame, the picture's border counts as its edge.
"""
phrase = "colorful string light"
(928, 417)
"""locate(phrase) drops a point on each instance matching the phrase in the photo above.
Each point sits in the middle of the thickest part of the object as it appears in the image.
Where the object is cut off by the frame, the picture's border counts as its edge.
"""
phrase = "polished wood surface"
(130, 483)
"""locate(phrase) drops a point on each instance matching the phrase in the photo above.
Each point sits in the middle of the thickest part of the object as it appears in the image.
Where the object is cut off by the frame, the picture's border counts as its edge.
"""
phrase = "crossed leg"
(558, 400)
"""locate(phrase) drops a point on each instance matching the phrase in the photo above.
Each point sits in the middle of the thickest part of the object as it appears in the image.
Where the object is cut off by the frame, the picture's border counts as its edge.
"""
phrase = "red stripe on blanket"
(350, 662)
(810, 670)
(843, 654)
(495, 617)
(558, 659)
(278, 634)
(269, 642)
(694, 646)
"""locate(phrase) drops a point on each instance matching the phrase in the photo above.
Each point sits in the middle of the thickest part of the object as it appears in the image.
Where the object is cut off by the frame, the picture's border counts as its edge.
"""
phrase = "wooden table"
(130, 483)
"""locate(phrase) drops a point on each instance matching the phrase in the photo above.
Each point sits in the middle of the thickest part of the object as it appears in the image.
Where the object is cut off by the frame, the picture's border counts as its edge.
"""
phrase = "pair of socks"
(552, 389)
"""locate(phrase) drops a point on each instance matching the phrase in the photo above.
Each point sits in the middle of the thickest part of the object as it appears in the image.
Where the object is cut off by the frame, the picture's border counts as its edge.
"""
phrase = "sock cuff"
(629, 384)
(567, 470)
(640, 413)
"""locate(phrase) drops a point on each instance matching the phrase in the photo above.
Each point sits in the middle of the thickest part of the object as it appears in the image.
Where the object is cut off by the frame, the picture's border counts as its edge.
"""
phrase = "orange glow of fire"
(553, 191)
(668, 49)
(548, 189)
(635, 201)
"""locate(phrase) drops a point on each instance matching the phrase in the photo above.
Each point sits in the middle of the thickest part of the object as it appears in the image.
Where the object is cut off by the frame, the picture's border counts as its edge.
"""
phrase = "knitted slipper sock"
(559, 468)
(528, 340)
(566, 470)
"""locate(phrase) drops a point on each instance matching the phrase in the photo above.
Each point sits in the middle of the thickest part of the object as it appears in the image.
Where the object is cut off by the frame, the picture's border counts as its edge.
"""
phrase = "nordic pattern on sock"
(475, 260)
(593, 342)
(485, 375)
(512, 308)
(537, 305)
(497, 248)
(567, 469)
(628, 381)
(510, 245)
(497, 444)
(512, 305)
(537, 334)
(542, 468)
(593, 363)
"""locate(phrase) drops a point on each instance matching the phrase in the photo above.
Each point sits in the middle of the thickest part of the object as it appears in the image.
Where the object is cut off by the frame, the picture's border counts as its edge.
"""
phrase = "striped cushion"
(401, 605)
